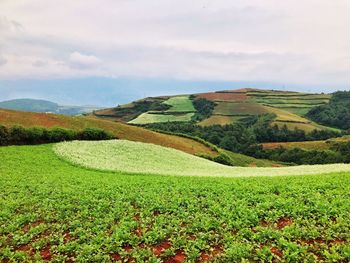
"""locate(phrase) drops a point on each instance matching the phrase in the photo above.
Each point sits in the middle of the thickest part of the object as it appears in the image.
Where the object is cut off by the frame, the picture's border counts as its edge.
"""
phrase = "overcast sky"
(291, 41)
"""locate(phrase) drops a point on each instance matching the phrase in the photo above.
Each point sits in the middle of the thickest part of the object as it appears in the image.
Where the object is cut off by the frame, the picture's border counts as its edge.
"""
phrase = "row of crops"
(54, 211)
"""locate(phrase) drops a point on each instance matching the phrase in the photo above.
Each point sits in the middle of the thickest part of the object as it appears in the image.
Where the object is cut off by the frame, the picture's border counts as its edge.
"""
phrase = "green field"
(51, 210)
(146, 118)
(180, 104)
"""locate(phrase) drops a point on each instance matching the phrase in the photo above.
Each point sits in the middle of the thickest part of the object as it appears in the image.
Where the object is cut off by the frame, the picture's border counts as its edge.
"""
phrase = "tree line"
(336, 113)
(18, 135)
(247, 135)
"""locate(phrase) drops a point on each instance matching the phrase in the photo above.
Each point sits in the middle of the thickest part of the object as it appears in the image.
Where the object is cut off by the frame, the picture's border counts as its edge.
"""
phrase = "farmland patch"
(132, 157)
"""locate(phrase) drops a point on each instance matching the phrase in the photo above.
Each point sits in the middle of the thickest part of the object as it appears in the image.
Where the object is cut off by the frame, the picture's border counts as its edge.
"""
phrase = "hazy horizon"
(101, 51)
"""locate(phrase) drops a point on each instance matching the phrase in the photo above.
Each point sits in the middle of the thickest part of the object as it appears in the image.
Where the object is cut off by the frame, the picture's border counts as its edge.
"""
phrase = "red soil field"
(224, 96)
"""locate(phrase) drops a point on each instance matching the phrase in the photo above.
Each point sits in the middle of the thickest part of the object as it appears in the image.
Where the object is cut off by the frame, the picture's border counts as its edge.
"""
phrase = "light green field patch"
(146, 118)
(180, 104)
(134, 157)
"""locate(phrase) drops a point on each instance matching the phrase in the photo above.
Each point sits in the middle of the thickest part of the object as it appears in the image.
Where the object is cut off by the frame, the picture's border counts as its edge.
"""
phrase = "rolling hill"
(289, 108)
(34, 105)
(120, 130)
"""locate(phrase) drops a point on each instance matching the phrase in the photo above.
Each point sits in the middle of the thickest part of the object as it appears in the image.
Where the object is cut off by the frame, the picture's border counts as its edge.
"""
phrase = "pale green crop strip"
(141, 158)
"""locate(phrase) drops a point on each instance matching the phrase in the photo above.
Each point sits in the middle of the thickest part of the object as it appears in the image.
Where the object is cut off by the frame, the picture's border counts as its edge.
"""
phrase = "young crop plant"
(95, 216)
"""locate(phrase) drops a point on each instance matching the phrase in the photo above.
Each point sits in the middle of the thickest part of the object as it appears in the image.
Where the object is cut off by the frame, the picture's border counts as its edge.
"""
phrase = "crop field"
(308, 145)
(283, 115)
(219, 120)
(146, 118)
(300, 111)
(54, 211)
(120, 130)
(141, 158)
(224, 96)
(180, 104)
(237, 108)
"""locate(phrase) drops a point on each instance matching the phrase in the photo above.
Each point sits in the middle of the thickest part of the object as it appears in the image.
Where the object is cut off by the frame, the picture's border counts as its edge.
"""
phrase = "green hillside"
(34, 105)
(30, 105)
(231, 106)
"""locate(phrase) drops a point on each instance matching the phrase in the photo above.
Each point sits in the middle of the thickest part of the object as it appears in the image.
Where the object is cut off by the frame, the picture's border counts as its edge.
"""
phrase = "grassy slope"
(56, 211)
(180, 104)
(247, 161)
(123, 131)
(141, 158)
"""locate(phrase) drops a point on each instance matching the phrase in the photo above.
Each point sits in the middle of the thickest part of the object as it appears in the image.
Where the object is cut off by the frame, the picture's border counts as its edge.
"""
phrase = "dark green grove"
(18, 135)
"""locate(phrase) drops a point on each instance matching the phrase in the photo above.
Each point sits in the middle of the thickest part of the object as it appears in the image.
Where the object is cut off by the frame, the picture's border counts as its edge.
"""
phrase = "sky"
(132, 48)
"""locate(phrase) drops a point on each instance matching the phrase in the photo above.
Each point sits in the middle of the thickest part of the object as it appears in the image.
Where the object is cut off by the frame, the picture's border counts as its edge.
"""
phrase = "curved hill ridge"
(141, 158)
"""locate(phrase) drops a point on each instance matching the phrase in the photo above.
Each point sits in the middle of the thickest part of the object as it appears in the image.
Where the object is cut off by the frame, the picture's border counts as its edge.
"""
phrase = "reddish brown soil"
(209, 255)
(263, 223)
(224, 96)
(277, 252)
(192, 237)
(46, 253)
(137, 217)
(161, 247)
(25, 248)
(127, 247)
(138, 232)
(67, 237)
(115, 257)
(283, 222)
(179, 257)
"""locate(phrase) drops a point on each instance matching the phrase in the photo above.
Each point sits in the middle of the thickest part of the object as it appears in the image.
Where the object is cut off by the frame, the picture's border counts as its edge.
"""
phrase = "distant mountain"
(223, 107)
(34, 105)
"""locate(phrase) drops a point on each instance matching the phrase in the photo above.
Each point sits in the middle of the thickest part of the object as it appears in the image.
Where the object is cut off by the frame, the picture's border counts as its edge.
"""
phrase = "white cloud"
(82, 61)
(269, 40)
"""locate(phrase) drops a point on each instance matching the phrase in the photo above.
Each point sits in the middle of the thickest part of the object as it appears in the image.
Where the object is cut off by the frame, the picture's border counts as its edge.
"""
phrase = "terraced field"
(120, 130)
(290, 108)
(181, 110)
(54, 211)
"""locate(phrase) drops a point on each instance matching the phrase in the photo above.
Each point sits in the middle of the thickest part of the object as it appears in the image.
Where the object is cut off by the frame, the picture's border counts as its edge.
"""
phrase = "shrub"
(4, 135)
(60, 134)
(93, 134)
